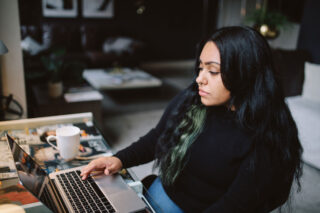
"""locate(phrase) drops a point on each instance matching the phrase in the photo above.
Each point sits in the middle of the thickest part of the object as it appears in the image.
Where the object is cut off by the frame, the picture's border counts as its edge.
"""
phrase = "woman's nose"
(201, 79)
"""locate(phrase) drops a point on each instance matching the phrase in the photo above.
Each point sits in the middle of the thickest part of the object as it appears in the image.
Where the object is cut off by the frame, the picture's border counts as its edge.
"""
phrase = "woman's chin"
(208, 103)
(205, 102)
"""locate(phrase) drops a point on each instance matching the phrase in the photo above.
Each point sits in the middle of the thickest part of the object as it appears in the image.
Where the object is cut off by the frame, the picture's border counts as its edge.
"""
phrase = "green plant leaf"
(273, 19)
(53, 62)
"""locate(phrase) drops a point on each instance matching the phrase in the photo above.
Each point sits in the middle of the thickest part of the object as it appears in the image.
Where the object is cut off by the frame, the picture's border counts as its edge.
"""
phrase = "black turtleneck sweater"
(217, 177)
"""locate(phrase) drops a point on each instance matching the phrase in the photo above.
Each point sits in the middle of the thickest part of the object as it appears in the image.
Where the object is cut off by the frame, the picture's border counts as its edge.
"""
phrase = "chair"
(147, 181)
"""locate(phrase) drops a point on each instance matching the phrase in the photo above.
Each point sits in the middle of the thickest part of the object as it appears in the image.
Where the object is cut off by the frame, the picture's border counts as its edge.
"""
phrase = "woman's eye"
(213, 72)
(210, 71)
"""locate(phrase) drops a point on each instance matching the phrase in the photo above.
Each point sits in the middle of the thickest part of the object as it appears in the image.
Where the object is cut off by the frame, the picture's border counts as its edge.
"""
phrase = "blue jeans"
(159, 199)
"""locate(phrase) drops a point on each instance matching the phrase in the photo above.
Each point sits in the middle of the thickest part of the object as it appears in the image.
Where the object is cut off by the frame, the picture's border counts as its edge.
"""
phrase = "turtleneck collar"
(221, 112)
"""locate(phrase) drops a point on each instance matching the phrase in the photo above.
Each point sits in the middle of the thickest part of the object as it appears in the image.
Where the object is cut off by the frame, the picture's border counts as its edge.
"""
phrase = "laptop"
(64, 191)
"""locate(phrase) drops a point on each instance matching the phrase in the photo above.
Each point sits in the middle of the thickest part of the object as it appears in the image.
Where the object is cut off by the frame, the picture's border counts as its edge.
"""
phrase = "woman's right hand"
(109, 165)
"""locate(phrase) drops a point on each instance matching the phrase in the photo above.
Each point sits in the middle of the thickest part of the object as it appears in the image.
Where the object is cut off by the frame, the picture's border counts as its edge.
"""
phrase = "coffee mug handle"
(48, 140)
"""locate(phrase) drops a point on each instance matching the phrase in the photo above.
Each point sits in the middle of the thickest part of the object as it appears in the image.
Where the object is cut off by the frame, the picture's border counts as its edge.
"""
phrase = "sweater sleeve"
(143, 150)
(248, 192)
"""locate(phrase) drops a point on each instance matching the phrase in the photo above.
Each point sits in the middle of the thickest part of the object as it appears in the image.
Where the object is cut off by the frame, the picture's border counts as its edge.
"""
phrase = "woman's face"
(211, 88)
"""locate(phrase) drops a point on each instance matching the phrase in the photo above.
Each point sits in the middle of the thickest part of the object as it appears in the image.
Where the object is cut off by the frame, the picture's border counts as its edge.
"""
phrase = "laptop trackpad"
(110, 184)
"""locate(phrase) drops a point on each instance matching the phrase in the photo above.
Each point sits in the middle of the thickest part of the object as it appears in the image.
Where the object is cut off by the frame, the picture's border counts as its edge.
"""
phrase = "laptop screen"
(30, 173)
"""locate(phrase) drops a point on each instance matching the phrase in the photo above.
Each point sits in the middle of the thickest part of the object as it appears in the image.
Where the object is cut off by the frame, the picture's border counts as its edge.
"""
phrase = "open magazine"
(33, 141)
(16, 194)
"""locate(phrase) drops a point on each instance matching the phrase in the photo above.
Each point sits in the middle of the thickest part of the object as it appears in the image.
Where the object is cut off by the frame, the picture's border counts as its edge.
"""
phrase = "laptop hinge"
(58, 197)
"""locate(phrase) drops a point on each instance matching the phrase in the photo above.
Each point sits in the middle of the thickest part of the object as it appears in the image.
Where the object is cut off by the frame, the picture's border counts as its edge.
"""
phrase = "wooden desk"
(28, 126)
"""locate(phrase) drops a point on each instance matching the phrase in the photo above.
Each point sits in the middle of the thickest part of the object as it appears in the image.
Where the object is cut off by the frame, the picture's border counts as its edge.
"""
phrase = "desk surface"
(16, 198)
(29, 134)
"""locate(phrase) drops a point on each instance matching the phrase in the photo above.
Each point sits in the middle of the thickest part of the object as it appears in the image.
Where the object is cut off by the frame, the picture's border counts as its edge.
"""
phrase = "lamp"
(3, 48)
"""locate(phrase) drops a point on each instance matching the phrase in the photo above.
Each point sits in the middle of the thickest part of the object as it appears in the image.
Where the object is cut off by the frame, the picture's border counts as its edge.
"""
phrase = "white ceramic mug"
(68, 141)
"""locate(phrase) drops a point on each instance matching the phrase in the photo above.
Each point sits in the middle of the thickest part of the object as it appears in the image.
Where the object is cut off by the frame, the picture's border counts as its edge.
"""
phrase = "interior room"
(124, 61)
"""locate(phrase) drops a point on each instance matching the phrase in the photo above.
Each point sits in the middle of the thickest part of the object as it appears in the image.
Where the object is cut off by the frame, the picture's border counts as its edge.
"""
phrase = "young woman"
(228, 142)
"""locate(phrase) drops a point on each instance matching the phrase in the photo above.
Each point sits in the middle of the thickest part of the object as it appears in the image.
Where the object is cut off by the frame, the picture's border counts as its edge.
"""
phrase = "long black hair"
(247, 71)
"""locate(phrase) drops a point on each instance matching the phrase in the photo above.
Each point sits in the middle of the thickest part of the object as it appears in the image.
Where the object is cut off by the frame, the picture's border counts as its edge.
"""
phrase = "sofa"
(300, 82)
(305, 109)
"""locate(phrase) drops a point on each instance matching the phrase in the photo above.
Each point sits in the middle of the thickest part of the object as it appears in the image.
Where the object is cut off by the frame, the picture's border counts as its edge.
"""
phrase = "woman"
(227, 143)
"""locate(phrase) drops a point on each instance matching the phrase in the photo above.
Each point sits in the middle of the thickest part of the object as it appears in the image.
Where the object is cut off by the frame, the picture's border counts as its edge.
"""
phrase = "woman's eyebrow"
(210, 62)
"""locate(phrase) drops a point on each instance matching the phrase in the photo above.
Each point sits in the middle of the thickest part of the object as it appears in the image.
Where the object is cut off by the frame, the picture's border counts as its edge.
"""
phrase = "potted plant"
(268, 23)
(54, 63)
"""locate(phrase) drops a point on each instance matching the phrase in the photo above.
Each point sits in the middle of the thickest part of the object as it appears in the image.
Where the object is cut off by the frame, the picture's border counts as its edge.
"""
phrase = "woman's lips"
(202, 92)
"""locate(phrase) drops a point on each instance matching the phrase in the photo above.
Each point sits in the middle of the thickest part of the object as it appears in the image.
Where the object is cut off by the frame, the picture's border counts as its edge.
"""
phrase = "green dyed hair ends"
(175, 160)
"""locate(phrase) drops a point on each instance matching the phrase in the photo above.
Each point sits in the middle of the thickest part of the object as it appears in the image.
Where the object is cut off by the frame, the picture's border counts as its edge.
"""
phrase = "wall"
(232, 13)
(170, 29)
(12, 65)
(310, 30)
(287, 39)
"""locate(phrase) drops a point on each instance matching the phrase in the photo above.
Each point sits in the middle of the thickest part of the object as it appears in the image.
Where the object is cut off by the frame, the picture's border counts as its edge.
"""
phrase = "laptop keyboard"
(84, 196)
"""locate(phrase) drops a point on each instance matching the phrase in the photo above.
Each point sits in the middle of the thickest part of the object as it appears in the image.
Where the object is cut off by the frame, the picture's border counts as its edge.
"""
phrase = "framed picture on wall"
(60, 8)
(98, 8)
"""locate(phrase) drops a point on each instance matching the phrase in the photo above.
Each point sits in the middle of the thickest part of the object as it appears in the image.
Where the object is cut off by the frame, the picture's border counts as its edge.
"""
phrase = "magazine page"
(50, 160)
(7, 167)
(33, 141)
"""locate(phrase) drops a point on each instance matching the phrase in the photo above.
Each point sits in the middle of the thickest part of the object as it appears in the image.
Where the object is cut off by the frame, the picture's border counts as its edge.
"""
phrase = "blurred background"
(125, 60)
